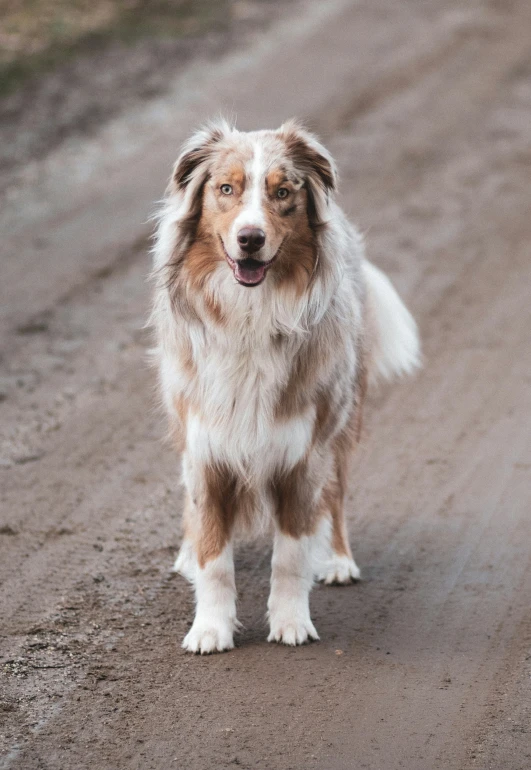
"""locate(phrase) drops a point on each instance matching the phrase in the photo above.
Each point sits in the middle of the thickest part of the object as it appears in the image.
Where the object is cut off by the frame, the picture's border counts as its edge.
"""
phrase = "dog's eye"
(282, 192)
(226, 189)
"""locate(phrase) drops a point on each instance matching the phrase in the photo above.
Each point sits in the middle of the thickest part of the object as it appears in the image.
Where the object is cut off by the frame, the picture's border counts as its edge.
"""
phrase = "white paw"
(292, 631)
(186, 562)
(210, 636)
(338, 570)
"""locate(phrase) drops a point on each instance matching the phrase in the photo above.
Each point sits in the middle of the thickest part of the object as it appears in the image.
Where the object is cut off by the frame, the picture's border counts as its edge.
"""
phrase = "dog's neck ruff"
(267, 310)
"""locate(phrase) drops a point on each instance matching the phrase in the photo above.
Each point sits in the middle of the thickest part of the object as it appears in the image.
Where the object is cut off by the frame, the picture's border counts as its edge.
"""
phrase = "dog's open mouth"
(249, 271)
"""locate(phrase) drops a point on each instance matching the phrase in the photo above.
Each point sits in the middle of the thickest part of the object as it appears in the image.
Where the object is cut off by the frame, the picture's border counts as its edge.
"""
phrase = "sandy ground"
(426, 663)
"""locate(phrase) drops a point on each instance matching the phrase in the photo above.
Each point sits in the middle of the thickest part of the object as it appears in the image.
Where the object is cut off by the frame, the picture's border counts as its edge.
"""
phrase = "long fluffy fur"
(264, 386)
(393, 335)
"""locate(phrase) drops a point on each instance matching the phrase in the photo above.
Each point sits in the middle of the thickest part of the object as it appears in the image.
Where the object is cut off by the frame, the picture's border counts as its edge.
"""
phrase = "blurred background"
(426, 106)
(67, 65)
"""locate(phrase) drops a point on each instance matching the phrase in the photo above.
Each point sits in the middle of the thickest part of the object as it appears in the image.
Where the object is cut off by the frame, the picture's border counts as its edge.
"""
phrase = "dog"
(270, 326)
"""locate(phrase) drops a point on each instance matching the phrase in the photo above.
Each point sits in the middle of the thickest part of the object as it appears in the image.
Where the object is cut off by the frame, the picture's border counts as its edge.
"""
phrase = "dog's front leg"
(291, 582)
(297, 501)
(215, 616)
(211, 518)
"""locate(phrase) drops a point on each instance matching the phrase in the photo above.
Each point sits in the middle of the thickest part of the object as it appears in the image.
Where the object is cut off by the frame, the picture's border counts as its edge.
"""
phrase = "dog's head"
(253, 201)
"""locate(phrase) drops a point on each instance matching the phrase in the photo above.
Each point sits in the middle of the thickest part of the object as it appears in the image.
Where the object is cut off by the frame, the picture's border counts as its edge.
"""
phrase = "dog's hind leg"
(332, 558)
(186, 562)
(333, 562)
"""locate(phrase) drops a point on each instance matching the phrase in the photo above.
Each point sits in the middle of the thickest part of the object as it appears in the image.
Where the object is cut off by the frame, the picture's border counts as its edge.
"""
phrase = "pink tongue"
(249, 274)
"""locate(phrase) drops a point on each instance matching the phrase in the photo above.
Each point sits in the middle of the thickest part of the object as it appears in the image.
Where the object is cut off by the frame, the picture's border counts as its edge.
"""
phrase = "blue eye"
(226, 189)
(282, 192)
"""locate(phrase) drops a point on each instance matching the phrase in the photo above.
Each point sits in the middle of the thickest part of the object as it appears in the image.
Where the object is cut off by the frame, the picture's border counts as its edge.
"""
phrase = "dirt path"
(425, 664)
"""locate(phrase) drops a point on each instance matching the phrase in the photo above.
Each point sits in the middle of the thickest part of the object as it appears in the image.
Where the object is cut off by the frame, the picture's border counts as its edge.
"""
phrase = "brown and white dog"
(270, 324)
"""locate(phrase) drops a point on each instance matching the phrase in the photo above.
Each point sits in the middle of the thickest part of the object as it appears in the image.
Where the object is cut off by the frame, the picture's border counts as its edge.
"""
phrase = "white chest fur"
(237, 392)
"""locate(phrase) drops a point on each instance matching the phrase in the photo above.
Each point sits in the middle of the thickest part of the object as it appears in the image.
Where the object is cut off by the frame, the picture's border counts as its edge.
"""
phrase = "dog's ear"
(317, 166)
(184, 192)
(196, 152)
(192, 167)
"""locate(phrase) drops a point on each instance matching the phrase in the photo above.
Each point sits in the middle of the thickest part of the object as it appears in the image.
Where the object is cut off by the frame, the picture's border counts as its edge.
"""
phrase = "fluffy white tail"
(394, 346)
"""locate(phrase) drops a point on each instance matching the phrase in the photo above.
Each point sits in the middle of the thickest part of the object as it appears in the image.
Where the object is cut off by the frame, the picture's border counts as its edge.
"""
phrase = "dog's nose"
(250, 239)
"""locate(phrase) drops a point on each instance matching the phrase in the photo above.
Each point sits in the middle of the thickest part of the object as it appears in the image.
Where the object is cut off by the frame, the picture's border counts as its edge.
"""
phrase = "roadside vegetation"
(37, 35)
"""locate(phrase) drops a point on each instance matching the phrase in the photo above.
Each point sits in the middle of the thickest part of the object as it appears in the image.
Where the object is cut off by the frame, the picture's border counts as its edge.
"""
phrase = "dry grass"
(35, 35)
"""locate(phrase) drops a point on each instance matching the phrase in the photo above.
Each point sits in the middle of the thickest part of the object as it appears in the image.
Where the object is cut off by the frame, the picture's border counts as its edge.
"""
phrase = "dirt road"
(426, 105)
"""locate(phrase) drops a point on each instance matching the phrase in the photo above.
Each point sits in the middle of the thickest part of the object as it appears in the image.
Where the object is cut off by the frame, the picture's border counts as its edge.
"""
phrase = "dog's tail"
(392, 337)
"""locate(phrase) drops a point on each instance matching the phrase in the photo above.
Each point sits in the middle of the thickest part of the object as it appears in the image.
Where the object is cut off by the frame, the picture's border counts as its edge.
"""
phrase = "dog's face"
(255, 202)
